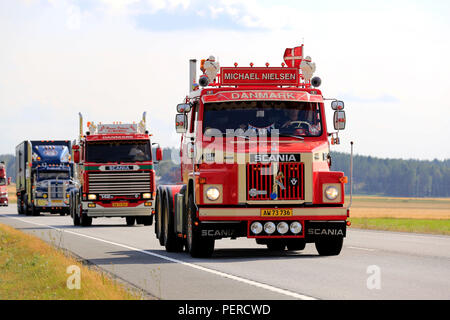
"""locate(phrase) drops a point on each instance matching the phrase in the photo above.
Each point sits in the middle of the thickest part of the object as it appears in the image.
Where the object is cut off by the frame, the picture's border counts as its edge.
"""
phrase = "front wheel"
(197, 246)
(276, 245)
(329, 246)
(130, 221)
(76, 217)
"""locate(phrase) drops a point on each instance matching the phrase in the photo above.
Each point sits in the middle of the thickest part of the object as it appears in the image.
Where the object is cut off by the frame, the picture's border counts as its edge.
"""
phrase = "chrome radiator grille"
(56, 190)
(120, 183)
(285, 182)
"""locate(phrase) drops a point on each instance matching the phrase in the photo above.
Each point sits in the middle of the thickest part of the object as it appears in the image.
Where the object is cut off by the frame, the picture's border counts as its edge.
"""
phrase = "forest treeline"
(395, 177)
(371, 175)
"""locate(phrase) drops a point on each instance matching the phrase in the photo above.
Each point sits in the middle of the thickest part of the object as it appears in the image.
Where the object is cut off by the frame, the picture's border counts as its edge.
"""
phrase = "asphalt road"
(372, 264)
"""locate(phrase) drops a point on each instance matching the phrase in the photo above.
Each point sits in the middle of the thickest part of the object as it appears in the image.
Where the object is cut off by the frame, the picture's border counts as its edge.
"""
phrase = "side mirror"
(181, 123)
(337, 105)
(339, 120)
(159, 154)
(183, 107)
(76, 156)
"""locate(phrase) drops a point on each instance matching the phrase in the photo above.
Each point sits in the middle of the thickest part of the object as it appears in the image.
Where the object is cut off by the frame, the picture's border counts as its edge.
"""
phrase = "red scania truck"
(114, 168)
(255, 161)
(4, 182)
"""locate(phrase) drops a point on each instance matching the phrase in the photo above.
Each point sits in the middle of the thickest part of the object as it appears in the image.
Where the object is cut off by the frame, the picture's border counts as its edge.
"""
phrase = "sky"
(113, 60)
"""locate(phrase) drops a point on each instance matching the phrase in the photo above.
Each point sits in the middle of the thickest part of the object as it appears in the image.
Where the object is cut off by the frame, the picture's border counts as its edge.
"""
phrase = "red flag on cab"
(293, 56)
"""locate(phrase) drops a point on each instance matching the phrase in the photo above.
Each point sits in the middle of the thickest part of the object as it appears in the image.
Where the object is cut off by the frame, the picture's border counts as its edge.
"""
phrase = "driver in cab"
(300, 121)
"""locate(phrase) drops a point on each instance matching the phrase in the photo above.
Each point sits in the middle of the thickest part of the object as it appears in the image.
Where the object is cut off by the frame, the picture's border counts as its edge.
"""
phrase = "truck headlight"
(146, 196)
(92, 197)
(212, 193)
(45, 196)
(331, 193)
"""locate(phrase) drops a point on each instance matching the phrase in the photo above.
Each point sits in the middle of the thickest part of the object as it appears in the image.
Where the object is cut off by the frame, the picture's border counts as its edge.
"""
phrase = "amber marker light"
(343, 179)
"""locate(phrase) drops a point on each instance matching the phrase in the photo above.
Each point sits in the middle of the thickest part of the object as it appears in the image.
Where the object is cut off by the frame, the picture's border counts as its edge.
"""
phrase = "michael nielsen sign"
(259, 76)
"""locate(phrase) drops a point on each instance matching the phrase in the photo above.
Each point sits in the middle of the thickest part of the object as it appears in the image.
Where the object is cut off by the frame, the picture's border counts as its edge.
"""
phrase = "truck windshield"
(2, 181)
(118, 151)
(50, 175)
(262, 117)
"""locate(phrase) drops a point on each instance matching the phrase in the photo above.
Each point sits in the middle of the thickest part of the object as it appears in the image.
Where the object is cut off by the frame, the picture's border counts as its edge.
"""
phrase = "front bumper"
(128, 211)
(238, 213)
(52, 203)
(235, 222)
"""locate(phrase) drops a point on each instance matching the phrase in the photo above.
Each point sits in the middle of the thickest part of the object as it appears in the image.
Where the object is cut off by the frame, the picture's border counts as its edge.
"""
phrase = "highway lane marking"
(187, 264)
(360, 248)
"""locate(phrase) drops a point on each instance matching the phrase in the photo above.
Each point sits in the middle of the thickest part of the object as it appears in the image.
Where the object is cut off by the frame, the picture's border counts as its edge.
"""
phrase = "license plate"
(42, 203)
(57, 201)
(120, 204)
(276, 212)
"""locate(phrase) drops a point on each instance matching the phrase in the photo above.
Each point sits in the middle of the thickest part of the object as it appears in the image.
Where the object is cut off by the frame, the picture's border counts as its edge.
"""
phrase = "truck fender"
(170, 197)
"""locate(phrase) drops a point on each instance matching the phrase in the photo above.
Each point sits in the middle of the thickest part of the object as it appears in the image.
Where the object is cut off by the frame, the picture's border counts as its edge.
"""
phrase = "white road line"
(359, 248)
(187, 264)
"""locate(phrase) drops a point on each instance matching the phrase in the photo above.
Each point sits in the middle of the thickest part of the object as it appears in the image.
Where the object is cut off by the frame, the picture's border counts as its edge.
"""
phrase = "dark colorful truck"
(44, 172)
(255, 161)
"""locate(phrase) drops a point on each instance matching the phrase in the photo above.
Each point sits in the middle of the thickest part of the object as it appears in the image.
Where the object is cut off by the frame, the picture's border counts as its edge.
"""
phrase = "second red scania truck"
(255, 161)
(114, 168)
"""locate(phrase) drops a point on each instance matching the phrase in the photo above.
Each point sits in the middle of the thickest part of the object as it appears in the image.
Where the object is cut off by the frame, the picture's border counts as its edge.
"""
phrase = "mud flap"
(319, 229)
(218, 229)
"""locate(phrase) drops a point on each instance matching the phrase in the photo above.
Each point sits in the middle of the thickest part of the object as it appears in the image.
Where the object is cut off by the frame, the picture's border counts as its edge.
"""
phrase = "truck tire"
(159, 217)
(130, 221)
(35, 212)
(329, 246)
(76, 209)
(197, 246)
(296, 244)
(276, 244)
(26, 209)
(76, 219)
(147, 221)
(171, 241)
(85, 221)
(19, 205)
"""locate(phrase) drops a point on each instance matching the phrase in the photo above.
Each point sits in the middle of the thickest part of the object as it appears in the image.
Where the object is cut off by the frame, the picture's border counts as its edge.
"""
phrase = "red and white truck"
(4, 182)
(115, 174)
(255, 161)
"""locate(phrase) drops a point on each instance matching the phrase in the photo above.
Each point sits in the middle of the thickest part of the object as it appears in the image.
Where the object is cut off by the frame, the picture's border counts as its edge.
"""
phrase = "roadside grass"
(420, 215)
(31, 269)
(431, 226)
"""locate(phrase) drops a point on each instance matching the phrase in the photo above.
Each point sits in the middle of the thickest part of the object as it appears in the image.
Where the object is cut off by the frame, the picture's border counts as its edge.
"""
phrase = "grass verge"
(432, 226)
(31, 269)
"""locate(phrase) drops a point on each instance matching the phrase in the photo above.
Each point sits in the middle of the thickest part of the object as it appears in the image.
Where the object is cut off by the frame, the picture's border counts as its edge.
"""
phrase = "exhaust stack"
(81, 125)
(192, 74)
